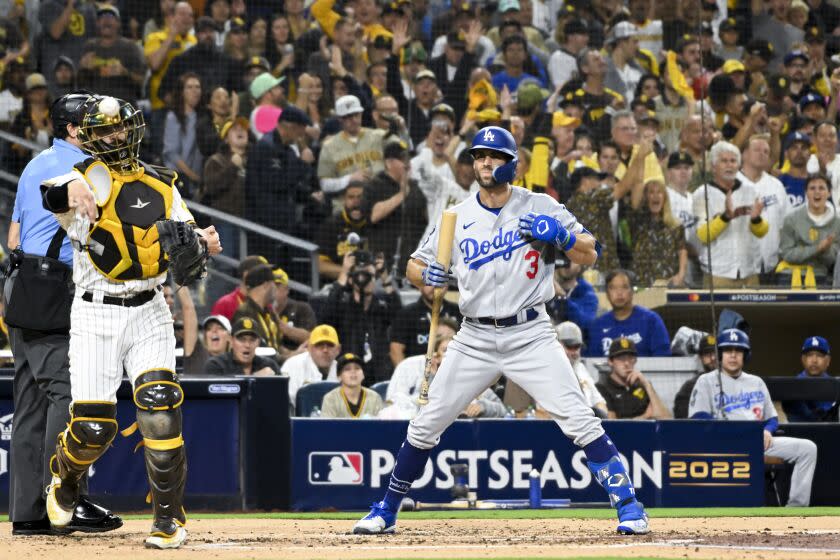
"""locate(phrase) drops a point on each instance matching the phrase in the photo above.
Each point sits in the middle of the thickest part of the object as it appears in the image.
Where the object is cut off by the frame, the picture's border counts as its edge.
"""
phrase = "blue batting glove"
(545, 228)
(434, 275)
(525, 223)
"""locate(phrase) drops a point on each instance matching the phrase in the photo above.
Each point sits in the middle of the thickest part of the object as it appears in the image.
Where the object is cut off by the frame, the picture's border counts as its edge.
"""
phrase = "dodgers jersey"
(499, 273)
(743, 398)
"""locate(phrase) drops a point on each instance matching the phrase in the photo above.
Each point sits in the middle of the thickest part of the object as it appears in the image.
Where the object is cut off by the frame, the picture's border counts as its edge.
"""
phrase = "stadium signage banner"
(345, 464)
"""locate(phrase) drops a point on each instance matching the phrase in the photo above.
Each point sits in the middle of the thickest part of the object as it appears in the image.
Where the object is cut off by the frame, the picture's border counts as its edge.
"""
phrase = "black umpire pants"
(42, 410)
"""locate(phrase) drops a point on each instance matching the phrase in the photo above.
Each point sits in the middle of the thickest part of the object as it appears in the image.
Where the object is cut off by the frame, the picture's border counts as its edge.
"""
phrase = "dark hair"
(178, 99)
(512, 40)
(817, 177)
(272, 53)
(610, 144)
(612, 274)
(641, 84)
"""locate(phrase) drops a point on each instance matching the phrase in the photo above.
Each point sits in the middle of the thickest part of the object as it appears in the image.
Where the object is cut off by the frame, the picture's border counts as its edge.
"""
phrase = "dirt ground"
(731, 538)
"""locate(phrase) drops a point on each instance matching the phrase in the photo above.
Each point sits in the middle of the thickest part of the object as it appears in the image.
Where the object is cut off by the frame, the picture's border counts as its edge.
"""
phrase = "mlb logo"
(336, 468)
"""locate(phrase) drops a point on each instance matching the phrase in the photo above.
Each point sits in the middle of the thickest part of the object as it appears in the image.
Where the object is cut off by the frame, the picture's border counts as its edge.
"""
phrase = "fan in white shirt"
(562, 65)
(314, 365)
(754, 166)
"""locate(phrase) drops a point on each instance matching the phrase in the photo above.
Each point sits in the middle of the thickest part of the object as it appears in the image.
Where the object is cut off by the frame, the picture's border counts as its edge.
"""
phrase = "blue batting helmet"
(494, 138)
(734, 338)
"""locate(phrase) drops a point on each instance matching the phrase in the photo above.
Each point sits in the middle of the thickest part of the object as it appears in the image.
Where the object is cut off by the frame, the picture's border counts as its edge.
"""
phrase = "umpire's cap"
(68, 109)
(348, 358)
(622, 346)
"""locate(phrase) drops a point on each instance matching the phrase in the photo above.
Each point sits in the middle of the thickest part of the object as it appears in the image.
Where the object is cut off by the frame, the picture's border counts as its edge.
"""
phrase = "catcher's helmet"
(68, 109)
(112, 129)
(494, 138)
(734, 338)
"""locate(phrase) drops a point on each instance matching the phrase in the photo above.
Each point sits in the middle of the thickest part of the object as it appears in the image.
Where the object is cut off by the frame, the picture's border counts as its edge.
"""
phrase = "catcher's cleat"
(632, 519)
(166, 533)
(379, 521)
(59, 516)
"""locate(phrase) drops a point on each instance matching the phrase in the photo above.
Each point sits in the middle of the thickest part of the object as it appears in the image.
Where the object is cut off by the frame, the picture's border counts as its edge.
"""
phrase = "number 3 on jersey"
(534, 257)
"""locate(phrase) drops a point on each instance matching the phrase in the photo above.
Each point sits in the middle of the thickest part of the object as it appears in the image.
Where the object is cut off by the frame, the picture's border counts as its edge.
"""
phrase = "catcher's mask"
(112, 130)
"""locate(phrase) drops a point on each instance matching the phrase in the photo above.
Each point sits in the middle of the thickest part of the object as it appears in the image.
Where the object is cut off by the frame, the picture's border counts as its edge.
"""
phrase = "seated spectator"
(639, 324)
(215, 341)
(517, 65)
(628, 393)
(707, 354)
(354, 154)
(810, 237)
(258, 307)
(11, 97)
(659, 247)
(180, 146)
(297, 319)
(227, 305)
(406, 383)
(223, 187)
(797, 153)
(410, 331)
(205, 58)
(361, 315)
(112, 64)
(575, 298)
(816, 357)
(242, 358)
(64, 78)
(218, 111)
(397, 208)
(571, 337)
(733, 224)
(278, 180)
(32, 122)
(335, 237)
(314, 365)
(730, 393)
(350, 399)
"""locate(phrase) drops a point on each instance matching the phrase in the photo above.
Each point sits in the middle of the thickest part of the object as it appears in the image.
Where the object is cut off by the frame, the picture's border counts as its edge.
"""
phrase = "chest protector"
(123, 243)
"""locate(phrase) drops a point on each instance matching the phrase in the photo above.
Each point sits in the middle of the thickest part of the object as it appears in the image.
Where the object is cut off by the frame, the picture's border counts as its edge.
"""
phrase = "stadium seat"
(381, 388)
(309, 396)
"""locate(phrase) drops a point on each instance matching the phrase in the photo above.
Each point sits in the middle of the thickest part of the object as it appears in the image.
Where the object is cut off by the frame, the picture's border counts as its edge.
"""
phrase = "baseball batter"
(119, 318)
(503, 259)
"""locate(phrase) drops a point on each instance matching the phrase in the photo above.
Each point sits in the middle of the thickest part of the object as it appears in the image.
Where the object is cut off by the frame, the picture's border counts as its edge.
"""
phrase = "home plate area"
(240, 538)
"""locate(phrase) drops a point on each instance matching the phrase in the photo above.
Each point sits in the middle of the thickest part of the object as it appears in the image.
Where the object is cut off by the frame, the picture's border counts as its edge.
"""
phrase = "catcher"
(128, 226)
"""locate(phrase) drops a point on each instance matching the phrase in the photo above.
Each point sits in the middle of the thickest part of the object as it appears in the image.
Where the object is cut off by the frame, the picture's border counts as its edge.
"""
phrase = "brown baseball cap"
(622, 346)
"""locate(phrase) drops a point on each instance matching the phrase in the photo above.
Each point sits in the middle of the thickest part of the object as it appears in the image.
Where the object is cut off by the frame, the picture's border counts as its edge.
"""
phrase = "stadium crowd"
(697, 140)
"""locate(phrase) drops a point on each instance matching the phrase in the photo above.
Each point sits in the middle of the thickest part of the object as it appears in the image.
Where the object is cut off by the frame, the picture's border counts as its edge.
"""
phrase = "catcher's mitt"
(187, 252)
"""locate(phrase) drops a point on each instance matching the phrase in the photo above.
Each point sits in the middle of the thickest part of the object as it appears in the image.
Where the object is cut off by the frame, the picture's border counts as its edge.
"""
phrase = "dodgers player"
(503, 258)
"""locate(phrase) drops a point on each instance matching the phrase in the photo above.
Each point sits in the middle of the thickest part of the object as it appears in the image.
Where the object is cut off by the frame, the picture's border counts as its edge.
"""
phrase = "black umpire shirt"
(624, 402)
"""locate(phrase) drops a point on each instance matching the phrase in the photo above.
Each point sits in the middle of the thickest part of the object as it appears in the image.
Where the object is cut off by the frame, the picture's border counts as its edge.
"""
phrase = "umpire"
(42, 375)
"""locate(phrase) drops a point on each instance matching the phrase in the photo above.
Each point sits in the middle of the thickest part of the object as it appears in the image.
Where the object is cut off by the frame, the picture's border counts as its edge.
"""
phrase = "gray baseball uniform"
(746, 398)
(501, 276)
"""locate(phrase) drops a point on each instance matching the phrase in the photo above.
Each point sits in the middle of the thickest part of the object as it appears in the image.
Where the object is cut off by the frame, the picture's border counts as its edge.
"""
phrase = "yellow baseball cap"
(731, 66)
(559, 118)
(323, 333)
(280, 276)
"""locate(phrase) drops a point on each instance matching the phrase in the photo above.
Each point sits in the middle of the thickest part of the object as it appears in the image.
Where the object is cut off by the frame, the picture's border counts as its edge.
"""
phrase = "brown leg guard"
(158, 398)
(93, 426)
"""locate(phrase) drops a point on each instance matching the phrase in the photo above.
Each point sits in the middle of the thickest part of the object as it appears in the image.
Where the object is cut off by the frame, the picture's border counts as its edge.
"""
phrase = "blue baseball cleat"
(632, 519)
(380, 520)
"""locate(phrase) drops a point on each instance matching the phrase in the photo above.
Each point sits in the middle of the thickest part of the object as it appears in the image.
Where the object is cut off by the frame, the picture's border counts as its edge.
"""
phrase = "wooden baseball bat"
(444, 256)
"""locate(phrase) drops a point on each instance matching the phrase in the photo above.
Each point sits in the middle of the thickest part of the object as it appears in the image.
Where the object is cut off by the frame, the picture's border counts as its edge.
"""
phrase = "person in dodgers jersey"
(730, 393)
(119, 317)
(503, 259)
